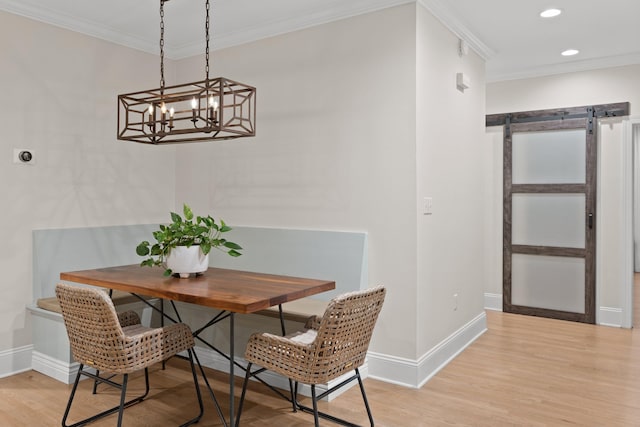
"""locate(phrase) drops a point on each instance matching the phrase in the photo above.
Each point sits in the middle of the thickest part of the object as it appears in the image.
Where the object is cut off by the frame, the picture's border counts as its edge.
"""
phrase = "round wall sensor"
(25, 156)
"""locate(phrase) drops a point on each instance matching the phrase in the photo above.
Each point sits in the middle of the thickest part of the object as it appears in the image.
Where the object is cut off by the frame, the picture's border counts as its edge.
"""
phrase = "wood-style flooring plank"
(524, 371)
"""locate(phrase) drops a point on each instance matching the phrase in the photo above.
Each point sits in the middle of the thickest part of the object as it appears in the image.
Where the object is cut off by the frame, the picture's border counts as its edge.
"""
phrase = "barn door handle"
(590, 220)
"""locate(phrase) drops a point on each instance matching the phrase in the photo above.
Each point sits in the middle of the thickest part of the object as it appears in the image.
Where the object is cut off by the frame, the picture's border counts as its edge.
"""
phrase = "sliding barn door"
(549, 253)
(549, 210)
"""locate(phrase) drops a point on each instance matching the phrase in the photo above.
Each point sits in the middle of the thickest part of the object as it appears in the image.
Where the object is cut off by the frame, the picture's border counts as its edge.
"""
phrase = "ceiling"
(508, 34)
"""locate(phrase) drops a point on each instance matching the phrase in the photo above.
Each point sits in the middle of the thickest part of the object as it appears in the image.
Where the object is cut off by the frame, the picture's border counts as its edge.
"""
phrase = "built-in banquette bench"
(338, 256)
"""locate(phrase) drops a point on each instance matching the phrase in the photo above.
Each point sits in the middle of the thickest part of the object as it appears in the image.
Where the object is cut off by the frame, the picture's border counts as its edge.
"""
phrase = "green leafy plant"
(187, 231)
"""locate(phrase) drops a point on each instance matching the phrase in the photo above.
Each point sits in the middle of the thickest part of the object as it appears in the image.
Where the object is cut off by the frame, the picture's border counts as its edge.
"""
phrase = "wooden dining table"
(230, 291)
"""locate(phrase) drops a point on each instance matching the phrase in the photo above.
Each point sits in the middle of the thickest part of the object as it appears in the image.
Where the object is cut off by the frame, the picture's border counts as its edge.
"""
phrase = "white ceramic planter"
(184, 261)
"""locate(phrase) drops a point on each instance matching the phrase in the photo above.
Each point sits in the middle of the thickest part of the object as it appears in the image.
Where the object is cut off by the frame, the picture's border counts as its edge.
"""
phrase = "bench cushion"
(298, 310)
(118, 297)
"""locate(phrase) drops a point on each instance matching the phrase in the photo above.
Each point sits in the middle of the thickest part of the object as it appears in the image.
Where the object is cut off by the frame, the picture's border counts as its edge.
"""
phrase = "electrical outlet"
(455, 302)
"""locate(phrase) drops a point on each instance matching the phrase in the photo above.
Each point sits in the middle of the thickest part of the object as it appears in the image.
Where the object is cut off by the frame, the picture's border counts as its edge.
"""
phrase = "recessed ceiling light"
(550, 13)
(570, 52)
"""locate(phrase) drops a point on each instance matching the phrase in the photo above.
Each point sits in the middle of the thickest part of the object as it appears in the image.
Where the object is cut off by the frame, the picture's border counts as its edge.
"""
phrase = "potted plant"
(183, 246)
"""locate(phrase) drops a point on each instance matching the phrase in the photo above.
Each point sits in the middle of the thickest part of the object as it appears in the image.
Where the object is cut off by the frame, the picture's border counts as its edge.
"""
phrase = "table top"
(231, 290)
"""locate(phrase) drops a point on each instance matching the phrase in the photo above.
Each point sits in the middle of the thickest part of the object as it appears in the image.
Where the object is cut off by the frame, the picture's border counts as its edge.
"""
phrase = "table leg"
(231, 368)
(164, 362)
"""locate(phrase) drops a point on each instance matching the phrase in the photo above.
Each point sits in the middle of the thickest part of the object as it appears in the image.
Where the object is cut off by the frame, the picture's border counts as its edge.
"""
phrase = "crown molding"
(493, 76)
(333, 11)
(68, 22)
(338, 10)
(441, 10)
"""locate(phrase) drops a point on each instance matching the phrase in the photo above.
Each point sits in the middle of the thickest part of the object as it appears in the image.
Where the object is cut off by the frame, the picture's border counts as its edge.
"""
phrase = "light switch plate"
(427, 206)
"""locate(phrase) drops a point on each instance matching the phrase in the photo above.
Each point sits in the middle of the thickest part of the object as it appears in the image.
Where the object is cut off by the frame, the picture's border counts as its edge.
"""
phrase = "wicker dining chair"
(328, 347)
(116, 344)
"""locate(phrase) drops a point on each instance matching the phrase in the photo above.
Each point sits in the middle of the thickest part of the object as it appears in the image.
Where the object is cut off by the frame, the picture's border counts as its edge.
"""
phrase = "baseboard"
(405, 372)
(66, 372)
(610, 316)
(493, 301)
(410, 373)
(15, 360)
(607, 316)
(414, 373)
(54, 368)
(213, 360)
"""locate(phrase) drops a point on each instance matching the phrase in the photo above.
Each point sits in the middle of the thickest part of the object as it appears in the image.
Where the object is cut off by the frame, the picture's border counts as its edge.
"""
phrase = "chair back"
(94, 332)
(345, 331)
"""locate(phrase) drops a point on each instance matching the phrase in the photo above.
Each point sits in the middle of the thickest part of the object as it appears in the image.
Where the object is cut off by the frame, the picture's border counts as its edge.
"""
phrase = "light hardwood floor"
(524, 371)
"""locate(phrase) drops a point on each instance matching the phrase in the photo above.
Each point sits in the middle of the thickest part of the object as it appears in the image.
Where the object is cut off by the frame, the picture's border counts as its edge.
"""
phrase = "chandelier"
(206, 110)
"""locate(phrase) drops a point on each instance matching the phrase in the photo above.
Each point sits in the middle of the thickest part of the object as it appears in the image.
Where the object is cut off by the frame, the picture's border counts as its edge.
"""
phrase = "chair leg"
(364, 397)
(315, 405)
(146, 384)
(197, 386)
(294, 394)
(123, 394)
(71, 396)
(98, 380)
(95, 383)
(244, 391)
(206, 383)
(294, 397)
(318, 414)
(119, 408)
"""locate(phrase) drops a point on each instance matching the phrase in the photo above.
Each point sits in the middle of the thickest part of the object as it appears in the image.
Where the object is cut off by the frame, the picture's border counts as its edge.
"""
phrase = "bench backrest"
(330, 255)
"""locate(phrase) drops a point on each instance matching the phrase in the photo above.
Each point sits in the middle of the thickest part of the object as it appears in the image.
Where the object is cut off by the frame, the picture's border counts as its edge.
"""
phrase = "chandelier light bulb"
(171, 111)
(213, 109)
(151, 118)
(194, 104)
(163, 108)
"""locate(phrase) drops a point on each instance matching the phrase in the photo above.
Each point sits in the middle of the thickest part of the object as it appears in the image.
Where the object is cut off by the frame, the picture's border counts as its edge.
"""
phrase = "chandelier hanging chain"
(206, 110)
(162, 45)
(206, 27)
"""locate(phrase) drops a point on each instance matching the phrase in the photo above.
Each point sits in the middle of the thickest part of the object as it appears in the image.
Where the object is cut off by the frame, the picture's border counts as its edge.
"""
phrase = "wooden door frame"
(556, 119)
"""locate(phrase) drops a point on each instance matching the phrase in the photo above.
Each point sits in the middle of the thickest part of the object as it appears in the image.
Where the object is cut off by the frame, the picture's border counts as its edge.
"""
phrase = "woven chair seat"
(116, 343)
(329, 346)
(98, 339)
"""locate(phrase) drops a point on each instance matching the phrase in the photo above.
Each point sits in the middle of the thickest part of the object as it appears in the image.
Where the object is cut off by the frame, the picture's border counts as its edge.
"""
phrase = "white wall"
(59, 97)
(335, 147)
(618, 84)
(449, 153)
(357, 121)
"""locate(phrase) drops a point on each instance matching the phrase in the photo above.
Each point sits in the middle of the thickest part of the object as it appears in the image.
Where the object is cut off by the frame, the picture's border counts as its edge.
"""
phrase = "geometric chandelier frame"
(207, 110)
(201, 111)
